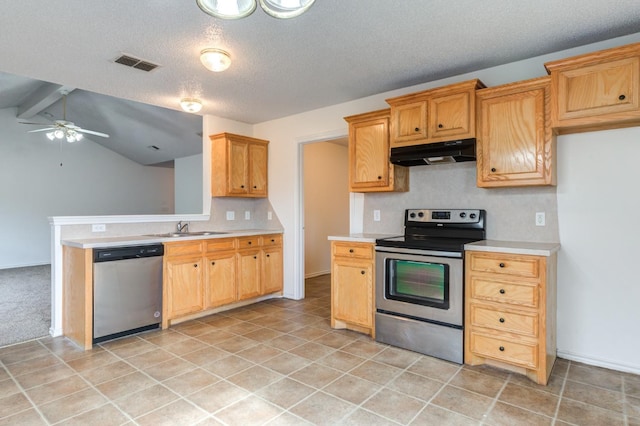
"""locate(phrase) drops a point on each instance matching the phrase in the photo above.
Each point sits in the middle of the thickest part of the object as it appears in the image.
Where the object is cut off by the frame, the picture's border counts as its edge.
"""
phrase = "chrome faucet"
(182, 227)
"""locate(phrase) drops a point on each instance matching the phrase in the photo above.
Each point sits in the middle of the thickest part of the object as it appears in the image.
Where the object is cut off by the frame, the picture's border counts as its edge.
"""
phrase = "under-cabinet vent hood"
(434, 153)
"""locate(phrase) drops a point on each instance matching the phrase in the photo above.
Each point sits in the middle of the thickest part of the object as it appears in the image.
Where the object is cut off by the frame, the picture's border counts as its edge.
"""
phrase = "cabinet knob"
(440, 126)
(241, 186)
(502, 291)
(501, 265)
(350, 250)
(213, 263)
(273, 240)
(379, 177)
(362, 272)
(493, 169)
(417, 129)
(268, 255)
(195, 265)
(501, 348)
(501, 320)
(622, 97)
(254, 186)
(255, 257)
(249, 243)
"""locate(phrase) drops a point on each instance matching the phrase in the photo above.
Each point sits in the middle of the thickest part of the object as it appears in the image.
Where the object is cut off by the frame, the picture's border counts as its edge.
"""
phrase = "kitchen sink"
(187, 234)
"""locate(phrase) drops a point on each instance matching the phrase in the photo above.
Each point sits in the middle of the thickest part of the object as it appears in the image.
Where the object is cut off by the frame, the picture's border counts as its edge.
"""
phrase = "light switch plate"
(98, 227)
(269, 215)
(540, 219)
(247, 215)
(376, 215)
(231, 215)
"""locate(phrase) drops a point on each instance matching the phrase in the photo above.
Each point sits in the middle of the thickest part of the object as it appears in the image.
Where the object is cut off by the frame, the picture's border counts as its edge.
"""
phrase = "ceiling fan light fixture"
(191, 105)
(59, 134)
(227, 9)
(285, 9)
(51, 136)
(215, 60)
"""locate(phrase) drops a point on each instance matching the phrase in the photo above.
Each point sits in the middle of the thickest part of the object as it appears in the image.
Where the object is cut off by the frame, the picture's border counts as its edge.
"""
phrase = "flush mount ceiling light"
(236, 9)
(192, 105)
(215, 59)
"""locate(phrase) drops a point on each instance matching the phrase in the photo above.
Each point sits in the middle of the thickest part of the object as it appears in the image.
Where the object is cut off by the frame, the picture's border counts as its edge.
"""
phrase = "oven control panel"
(444, 216)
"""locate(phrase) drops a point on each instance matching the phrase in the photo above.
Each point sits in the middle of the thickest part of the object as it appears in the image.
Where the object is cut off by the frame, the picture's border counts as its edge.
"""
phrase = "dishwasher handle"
(128, 252)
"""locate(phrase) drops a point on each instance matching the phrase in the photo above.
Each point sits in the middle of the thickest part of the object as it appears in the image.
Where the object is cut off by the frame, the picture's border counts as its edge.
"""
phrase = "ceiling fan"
(63, 129)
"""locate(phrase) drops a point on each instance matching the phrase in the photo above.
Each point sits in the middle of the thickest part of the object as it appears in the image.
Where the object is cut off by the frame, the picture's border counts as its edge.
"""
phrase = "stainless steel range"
(420, 281)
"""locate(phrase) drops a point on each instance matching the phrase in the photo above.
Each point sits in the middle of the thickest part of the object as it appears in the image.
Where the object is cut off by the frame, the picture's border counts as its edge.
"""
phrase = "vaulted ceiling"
(338, 51)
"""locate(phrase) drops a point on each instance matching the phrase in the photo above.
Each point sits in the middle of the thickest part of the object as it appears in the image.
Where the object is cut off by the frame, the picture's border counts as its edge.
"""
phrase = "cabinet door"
(184, 286)
(601, 89)
(220, 279)
(272, 270)
(238, 167)
(352, 292)
(258, 169)
(248, 274)
(408, 123)
(515, 143)
(451, 117)
(369, 154)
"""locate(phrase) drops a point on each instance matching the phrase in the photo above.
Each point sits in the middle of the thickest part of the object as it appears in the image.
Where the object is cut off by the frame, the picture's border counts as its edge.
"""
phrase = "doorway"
(325, 203)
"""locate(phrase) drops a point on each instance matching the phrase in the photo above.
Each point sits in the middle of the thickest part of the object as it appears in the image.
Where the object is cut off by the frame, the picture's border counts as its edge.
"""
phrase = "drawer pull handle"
(501, 319)
(350, 250)
(501, 348)
(622, 97)
(362, 272)
(501, 265)
(417, 129)
(273, 241)
(493, 170)
(502, 291)
(249, 243)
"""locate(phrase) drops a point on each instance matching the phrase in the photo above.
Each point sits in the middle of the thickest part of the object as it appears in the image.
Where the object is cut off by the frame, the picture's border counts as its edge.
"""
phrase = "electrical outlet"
(100, 227)
(231, 215)
(540, 219)
(247, 215)
(269, 215)
(376, 215)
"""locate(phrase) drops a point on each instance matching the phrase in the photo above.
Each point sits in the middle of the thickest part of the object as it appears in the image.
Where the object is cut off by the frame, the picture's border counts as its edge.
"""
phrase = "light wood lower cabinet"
(248, 274)
(185, 295)
(221, 287)
(352, 286)
(510, 307)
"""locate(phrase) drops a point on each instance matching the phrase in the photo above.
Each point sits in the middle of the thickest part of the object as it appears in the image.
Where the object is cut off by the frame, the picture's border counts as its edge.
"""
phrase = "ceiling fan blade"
(42, 130)
(91, 132)
(35, 124)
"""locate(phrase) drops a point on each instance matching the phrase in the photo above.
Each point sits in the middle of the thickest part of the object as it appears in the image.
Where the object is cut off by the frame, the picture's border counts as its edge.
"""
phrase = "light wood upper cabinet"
(238, 166)
(599, 90)
(515, 145)
(352, 291)
(435, 115)
(369, 167)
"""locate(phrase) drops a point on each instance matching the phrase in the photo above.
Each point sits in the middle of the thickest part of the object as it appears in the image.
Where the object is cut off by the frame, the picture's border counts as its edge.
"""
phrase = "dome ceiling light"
(236, 9)
(191, 105)
(215, 60)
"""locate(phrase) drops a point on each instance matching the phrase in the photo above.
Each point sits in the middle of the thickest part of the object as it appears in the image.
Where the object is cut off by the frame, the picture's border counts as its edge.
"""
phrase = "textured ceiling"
(338, 51)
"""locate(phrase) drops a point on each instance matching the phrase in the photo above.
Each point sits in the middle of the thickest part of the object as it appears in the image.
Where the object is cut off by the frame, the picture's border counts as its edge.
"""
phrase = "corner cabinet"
(510, 312)
(352, 286)
(515, 145)
(435, 115)
(238, 166)
(369, 166)
(595, 91)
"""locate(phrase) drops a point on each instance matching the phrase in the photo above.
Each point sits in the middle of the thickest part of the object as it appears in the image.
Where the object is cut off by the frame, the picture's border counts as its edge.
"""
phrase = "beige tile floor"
(279, 363)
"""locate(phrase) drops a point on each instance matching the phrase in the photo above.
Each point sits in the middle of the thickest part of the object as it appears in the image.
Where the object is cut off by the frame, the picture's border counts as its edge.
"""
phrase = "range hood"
(435, 153)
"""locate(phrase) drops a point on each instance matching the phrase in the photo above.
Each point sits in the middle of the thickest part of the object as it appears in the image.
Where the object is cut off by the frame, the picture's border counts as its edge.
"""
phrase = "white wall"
(598, 285)
(91, 181)
(326, 202)
(188, 184)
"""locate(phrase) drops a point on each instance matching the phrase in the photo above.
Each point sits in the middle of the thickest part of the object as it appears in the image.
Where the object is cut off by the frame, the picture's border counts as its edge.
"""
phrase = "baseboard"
(24, 265)
(316, 274)
(55, 332)
(628, 368)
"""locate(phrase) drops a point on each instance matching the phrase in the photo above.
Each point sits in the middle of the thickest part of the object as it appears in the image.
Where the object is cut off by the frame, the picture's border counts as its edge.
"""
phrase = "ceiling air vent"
(130, 61)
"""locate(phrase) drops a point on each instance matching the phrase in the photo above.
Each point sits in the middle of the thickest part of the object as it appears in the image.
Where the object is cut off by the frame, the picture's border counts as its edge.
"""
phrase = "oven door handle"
(419, 252)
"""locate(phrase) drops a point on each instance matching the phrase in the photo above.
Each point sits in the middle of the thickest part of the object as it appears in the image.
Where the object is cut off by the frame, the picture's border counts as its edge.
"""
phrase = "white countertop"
(514, 247)
(359, 238)
(133, 240)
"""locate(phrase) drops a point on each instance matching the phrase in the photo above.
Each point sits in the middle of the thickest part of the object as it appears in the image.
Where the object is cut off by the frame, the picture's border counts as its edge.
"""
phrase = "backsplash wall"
(510, 211)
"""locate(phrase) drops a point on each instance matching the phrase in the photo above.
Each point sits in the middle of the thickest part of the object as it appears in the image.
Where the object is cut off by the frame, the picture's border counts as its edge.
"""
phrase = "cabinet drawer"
(503, 320)
(521, 266)
(504, 349)
(272, 240)
(249, 242)
(521, 294)
(360, 251)
(182, 249)
(220, 244)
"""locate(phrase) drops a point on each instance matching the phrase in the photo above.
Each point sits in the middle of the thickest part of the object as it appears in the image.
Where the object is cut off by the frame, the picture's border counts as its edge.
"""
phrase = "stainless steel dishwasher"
(127, 290)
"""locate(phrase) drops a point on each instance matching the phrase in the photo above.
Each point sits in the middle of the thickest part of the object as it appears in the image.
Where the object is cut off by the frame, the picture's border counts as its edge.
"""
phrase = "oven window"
(421, 283)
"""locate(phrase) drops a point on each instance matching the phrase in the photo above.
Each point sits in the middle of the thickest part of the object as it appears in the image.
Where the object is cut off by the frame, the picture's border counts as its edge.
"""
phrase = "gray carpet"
(25, 303)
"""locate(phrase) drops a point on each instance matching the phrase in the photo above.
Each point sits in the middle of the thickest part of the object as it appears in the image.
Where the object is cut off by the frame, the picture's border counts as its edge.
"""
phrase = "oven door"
(420, 285)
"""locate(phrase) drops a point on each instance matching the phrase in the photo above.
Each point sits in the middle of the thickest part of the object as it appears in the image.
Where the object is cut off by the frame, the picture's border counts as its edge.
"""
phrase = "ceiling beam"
(42, 98)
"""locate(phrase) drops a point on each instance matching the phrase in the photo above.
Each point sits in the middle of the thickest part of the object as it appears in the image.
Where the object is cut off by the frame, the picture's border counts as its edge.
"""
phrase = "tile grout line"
(561, 394)
(485, 416)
